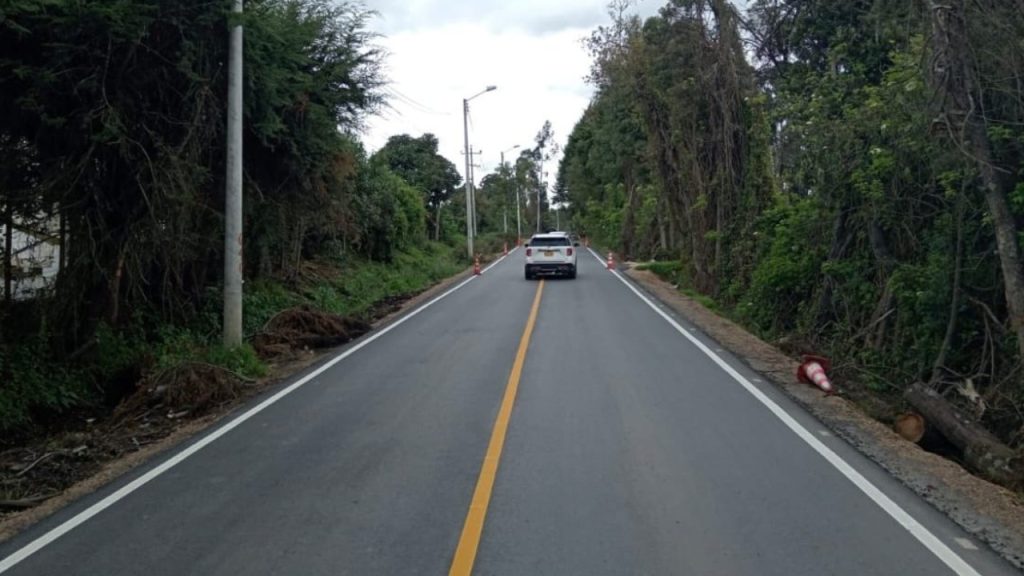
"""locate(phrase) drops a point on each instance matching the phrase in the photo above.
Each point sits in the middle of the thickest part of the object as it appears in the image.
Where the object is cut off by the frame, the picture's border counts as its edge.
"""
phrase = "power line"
(415, 103)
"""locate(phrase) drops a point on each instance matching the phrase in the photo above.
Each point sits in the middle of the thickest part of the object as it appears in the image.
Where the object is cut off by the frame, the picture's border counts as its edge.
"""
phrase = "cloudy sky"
(441, 51)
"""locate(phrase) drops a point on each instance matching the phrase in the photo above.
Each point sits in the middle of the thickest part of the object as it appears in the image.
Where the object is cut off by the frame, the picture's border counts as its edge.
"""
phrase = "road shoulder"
(989, 512)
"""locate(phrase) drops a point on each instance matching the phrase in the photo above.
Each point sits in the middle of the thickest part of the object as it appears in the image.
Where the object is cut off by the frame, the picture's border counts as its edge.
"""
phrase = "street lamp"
(505, 208)
(469, 177)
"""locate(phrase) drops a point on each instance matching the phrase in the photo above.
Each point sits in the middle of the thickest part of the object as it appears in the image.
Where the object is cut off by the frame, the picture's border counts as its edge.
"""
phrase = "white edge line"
(916, 529)
(966, 544)
(39, 543)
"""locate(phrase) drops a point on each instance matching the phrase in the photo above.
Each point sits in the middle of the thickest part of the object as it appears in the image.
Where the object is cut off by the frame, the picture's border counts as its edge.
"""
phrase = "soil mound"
(304, 327)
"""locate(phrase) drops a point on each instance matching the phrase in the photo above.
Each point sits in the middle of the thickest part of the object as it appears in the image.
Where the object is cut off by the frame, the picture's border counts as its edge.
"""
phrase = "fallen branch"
(24, 503)
(25, 470)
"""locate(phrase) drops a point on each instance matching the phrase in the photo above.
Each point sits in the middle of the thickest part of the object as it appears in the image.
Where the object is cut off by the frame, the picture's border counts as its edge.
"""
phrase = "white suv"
(550, 254)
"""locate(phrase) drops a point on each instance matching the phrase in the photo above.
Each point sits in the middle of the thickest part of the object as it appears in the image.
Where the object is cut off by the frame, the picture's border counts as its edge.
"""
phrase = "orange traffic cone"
(611, 261)
(813, 371)
(476, 265)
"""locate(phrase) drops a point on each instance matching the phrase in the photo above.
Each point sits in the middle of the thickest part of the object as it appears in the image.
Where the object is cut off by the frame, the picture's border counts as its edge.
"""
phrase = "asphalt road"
(620, 447)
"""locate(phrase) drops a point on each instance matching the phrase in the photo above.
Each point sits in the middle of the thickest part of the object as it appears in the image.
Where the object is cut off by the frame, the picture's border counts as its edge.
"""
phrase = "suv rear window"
(549, 242)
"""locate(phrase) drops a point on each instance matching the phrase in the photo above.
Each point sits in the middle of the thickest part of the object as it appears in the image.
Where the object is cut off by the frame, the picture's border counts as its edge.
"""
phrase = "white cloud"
(536, 16)
(538, 78)
(441, 52)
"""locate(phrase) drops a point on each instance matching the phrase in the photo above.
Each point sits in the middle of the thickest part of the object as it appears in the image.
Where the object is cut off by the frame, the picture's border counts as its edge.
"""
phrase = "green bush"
(788, 271)
(33, 383)
(493, 243)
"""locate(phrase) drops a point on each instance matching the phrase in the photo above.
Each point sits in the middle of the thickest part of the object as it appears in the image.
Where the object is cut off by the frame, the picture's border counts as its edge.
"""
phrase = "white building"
(35, 258)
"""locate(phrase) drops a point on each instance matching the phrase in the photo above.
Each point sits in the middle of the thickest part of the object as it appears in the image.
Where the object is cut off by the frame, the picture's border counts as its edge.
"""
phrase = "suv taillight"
(529, 251)
(568, 251)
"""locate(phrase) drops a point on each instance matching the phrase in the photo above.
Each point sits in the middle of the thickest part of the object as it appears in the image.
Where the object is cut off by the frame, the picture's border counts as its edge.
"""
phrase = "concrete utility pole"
(504, 204)
(472, 178)
(470, 216)
(469, 194)
(233, 190)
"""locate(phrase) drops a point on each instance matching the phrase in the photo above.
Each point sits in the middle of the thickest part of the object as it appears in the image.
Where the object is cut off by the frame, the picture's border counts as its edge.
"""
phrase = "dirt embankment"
(989, 512)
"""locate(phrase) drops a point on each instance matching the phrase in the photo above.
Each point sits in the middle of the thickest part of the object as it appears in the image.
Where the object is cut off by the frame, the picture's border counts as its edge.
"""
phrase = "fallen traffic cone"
(476, 265)
(813, 371)
(611, 261)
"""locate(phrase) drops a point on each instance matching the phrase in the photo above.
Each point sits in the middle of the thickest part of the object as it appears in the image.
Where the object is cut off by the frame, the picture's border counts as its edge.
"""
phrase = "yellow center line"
(465, 553)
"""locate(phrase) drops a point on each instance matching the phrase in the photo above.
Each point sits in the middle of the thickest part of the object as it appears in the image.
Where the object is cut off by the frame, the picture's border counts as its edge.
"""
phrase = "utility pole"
(471, 182)
(504, 205)
(469, 178)
(233, 189)
(470, 216)
(472, 177)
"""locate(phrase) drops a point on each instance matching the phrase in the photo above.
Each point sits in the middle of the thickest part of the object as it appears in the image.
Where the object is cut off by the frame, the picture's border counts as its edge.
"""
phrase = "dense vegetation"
(112, 147)
(842, 175)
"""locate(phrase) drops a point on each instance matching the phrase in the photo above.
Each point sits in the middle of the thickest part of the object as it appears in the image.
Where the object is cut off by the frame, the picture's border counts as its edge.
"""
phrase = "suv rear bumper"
(550, 268)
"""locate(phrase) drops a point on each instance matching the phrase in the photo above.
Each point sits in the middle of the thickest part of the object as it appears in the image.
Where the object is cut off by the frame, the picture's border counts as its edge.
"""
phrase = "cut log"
(982, 451)
(910, 426)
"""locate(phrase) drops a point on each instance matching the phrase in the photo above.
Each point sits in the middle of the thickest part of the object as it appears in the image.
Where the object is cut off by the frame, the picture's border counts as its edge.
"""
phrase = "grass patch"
(668, 270)
(361, 284)
(242, 360)
(705, 301)
(672, 271)
(176, 346)
(261, 300)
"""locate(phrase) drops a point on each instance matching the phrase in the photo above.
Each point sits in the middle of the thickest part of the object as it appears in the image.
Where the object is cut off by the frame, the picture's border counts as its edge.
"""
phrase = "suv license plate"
(549, 253)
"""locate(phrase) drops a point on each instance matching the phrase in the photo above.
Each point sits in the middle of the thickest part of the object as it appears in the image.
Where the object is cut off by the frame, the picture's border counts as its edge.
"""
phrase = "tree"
(390, 212)
(417, 161)
(113, 125)
(970, 110)
(543, 151)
